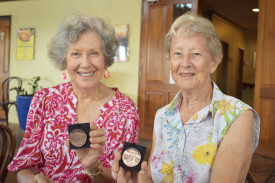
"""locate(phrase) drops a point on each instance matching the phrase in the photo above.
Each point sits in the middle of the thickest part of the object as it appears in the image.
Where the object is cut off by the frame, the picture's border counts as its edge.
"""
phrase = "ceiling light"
(255, 10)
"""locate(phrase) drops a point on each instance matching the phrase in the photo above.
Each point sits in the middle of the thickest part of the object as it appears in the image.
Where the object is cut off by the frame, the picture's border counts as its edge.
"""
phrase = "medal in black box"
(132, 156)
(79, 135)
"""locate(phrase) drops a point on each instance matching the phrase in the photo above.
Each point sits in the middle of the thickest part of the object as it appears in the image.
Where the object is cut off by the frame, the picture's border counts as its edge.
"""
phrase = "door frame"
(160, 91)
(6, 60)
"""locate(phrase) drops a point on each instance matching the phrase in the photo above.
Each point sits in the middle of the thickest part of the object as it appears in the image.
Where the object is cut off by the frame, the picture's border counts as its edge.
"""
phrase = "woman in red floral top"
(85, 47)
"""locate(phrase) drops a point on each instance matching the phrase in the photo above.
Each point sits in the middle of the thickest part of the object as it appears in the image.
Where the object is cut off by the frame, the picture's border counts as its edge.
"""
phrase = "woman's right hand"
(90, 156)
(122, 175)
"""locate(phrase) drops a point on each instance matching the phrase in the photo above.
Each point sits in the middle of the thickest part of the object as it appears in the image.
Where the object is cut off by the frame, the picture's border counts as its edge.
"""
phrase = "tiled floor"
(261, 167)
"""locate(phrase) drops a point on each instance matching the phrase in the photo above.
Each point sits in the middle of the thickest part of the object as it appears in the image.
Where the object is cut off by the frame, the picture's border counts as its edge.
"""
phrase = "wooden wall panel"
(267, 92)
(269, 64)
(268, 46)
(154, 101)
(155, 43)
(264, 99)
(266, 117)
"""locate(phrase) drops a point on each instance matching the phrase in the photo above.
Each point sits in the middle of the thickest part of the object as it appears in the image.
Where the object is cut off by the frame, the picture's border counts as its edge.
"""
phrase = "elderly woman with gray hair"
(85, 47)
(203, 135)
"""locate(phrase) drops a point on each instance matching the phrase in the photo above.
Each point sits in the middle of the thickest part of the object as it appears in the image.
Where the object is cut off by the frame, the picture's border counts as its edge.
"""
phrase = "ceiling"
(238, 11)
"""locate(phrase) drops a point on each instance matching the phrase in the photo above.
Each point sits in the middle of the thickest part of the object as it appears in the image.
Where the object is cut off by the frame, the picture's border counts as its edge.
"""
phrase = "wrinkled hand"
(126, 176)
(120, 174)
(88, 156)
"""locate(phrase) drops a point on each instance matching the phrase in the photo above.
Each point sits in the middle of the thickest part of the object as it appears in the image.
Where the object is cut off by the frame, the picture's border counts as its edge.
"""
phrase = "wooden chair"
(249, 178)
(6, 103)
(7, 150)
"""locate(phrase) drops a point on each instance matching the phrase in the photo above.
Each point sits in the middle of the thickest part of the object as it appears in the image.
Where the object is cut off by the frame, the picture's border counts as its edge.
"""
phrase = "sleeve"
(233, 112)
(256, 130)
(123, 125)
(29, 154)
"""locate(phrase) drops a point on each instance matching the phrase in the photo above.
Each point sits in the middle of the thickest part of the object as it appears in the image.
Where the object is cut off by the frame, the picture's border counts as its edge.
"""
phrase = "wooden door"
(264, 98)
(239, 77)
(221, 79)
(4, 53)
(155, 88)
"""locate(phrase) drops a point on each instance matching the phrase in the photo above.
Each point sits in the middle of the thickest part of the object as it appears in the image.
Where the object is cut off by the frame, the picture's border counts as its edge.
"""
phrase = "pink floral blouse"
(52, 109)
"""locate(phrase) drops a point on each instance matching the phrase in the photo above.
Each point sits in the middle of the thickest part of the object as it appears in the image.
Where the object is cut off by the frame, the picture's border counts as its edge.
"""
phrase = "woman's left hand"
(89, 156)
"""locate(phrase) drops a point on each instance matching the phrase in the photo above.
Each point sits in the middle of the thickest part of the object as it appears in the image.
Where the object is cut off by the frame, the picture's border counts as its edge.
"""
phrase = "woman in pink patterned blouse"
(85, 47)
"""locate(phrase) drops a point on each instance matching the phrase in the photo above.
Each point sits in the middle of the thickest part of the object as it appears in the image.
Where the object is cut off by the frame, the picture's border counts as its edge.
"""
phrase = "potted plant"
(24, 98)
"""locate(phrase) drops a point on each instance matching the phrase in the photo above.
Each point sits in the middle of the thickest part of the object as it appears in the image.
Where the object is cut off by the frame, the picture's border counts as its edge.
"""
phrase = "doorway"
(239, 74)
(221, 72)
(4, 52)
(155, 87)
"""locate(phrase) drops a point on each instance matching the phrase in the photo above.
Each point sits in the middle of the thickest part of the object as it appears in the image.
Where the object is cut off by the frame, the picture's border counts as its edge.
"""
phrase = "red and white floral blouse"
(52, 109)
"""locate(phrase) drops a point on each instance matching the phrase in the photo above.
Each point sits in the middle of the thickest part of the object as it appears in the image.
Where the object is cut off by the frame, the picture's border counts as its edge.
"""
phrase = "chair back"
(6, 103)
(6, 87)
(249, 178)
(7, 150)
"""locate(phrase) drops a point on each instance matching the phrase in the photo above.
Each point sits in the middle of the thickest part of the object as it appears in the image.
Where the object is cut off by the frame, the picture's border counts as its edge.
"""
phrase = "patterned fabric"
(52, 109)
(185, 153)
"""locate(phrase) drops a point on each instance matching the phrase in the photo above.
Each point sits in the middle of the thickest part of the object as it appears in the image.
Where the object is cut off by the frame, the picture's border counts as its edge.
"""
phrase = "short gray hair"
(69, 31)
(200, 25)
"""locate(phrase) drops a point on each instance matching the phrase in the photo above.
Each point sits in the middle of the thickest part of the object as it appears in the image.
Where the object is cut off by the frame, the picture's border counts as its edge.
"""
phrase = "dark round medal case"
(79, 135)
(132, 156)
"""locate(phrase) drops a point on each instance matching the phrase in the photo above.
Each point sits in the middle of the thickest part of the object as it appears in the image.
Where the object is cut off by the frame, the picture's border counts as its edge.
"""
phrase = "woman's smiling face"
(190, 60)
(85, 61)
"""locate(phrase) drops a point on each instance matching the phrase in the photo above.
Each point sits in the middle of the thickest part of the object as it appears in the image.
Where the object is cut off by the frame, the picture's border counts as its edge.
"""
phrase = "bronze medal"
(78, 137)
(131, 157)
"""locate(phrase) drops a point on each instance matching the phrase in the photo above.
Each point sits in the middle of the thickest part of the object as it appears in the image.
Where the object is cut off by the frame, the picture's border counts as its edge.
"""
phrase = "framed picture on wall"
(25, 44)
(123, 49)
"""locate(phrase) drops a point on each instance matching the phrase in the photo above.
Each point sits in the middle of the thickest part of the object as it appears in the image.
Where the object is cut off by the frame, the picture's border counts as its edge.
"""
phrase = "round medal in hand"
(131, 157)
(78, 137)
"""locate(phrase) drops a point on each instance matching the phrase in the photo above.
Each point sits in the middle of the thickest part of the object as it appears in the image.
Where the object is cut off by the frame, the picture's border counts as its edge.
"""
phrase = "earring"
(106, 74)
(64, 75)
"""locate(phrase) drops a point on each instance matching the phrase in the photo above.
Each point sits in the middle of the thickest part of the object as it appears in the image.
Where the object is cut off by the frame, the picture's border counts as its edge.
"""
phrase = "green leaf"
(226, 118)
(232, 113)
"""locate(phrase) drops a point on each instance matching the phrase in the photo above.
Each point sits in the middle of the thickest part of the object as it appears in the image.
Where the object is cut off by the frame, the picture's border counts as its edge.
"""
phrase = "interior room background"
(45, 15)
